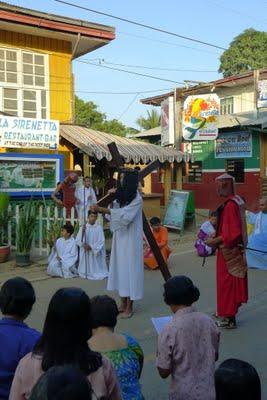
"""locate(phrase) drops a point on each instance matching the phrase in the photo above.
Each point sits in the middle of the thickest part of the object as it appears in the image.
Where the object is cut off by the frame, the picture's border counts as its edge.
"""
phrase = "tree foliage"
(248, 51)
(87, 114)
(152, 120)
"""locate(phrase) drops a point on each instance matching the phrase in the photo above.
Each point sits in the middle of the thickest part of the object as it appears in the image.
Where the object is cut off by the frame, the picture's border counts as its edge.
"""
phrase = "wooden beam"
(115, 154)
(155, 249)
(148, 169)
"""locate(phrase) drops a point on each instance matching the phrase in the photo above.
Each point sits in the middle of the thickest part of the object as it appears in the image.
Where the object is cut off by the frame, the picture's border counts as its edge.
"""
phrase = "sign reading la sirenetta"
(29, 133)
(200, 117)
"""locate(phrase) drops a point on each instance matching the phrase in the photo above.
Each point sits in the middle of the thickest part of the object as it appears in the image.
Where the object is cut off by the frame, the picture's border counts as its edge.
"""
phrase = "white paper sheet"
(160, 323)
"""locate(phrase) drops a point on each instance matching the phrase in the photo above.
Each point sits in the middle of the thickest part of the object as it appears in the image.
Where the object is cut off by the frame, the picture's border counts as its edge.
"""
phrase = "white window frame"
(227, 98)
(19, 86)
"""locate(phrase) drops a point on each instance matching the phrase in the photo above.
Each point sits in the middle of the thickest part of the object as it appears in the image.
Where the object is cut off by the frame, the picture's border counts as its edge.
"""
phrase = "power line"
(128, 107)
(152, 68)
(140, 24)
(130, 72)
(166, 43)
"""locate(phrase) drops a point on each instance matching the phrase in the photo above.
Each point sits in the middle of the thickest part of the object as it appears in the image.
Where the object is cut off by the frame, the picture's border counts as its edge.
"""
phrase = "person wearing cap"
(188, 346)
(231, 236)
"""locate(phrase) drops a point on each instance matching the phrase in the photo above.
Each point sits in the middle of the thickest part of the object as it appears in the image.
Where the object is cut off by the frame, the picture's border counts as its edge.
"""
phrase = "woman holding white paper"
(188, 345)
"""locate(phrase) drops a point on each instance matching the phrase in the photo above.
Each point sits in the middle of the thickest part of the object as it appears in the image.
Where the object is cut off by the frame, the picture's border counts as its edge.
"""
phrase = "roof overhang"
(83, 36)
(228, 82)
(95, 144)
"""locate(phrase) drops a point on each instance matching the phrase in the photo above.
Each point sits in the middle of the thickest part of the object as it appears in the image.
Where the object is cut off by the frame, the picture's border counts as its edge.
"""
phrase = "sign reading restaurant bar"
(233, 145)
(29, 133)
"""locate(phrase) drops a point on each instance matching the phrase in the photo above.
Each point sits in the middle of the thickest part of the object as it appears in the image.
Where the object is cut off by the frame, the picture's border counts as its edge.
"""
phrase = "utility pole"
(256, 74)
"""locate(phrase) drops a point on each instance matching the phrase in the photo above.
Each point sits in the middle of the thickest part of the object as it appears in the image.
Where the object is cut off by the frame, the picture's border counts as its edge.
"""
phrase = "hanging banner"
(262, 94)
(29, 133)
(167, 122)
(200, 117)
(233, 145)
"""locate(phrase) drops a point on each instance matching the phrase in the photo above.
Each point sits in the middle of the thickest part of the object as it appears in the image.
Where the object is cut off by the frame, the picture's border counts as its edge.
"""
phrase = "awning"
(243, 119)
(94, 143)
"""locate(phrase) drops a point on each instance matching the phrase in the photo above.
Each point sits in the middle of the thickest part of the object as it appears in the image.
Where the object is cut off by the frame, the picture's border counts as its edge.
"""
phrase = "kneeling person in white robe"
(91, 240)
(64, 255)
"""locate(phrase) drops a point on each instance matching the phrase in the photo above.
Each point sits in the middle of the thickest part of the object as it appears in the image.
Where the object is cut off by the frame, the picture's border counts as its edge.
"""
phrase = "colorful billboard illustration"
(200, 117)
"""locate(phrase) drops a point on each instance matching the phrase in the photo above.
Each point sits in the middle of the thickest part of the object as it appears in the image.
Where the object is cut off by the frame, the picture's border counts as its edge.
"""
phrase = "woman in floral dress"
(123, 350)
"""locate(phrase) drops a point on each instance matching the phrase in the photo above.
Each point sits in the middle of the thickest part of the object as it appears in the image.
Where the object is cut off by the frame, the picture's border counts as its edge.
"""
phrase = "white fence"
(47, 216)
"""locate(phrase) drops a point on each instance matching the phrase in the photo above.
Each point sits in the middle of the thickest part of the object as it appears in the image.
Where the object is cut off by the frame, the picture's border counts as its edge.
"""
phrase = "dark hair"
(127, 191)
(237, 379)
(87, 177)
(213, 214)
(180, 290)
(69, 228)
(17, 297)
(62, 383)
(104, 312)
(90, 212)
(155, 221)
(67, 329)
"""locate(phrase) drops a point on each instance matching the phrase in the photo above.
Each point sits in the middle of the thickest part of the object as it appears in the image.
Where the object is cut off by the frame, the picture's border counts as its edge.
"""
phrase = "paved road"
(249, 342)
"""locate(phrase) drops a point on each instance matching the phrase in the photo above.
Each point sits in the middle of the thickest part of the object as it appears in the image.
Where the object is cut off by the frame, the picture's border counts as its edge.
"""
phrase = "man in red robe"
(232, 284)
(68, 190)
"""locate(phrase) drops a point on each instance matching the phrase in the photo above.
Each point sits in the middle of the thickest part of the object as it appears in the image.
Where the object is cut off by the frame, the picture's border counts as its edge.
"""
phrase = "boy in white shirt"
(91, 240)
(64, 255)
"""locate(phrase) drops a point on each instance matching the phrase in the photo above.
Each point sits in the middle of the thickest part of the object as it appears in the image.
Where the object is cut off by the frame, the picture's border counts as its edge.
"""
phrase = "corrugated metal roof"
(149, 132)
(243, 119)
(94, 143)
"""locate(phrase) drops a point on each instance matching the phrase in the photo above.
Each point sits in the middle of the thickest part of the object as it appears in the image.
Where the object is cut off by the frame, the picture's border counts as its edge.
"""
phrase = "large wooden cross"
(106, 200)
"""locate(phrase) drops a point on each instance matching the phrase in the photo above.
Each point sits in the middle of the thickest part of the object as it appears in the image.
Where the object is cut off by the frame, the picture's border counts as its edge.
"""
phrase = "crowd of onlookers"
(80, 355)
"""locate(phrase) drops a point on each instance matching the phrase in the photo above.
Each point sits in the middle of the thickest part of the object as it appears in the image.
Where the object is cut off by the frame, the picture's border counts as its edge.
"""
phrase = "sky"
(213, 21)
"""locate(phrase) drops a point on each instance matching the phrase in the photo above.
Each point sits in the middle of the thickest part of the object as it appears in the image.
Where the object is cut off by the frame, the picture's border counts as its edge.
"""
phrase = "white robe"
(68, 252)
(92, 263)
(126, 271)
(87, 197)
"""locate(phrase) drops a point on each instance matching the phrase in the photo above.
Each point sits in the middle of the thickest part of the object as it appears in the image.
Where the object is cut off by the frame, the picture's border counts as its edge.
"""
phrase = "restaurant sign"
(233, 145)
(29, 133)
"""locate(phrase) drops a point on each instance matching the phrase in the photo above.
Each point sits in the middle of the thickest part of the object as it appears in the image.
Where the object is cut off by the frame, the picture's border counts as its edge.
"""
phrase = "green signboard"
(32, 174)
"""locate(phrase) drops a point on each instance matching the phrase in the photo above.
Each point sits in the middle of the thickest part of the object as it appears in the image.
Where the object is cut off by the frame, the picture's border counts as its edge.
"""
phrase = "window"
(195, 172)
(227, 105)
(24, 83)
(236, 168)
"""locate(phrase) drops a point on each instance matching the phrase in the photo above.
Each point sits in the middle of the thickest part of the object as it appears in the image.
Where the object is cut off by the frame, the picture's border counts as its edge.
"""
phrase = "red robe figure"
(68, 190)
(232, 291)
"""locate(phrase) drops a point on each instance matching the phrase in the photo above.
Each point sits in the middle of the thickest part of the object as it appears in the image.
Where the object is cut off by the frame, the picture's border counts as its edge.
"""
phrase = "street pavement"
(248, 342)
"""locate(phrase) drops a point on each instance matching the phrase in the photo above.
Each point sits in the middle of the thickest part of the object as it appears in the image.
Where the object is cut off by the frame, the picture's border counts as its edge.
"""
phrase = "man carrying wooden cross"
(126, 271)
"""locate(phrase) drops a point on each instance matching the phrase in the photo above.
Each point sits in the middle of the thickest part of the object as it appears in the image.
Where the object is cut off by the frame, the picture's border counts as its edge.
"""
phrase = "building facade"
(241, 145)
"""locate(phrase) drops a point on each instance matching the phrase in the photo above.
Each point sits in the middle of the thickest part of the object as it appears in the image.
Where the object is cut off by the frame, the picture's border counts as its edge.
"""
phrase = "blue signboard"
(24, 174)
(233, 145)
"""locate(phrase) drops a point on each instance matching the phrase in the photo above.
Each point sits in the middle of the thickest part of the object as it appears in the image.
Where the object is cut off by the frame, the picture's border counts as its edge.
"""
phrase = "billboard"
(262, 94)
(233, 145)
(27, 174)
(167, 122)
(29, 133)
(200, 117)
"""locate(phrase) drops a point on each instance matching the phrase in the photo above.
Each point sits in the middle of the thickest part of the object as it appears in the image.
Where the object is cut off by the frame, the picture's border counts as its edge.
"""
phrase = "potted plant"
(4, 218)
(25, 232)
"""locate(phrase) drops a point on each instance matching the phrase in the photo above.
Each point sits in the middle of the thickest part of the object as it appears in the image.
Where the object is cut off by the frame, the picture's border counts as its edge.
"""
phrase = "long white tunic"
(126, 271)
(92, 263)
(86, 197)
(68, 252)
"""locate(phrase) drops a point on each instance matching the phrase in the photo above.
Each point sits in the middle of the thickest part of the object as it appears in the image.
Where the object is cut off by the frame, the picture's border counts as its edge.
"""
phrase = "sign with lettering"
(233, 145)
(262, 94)
(200, 117)
(29, 133)
(167, 122)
